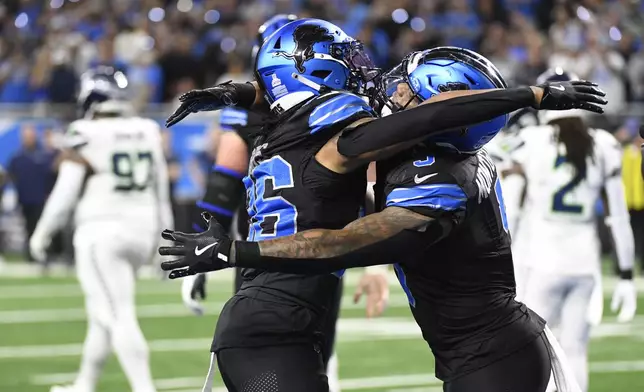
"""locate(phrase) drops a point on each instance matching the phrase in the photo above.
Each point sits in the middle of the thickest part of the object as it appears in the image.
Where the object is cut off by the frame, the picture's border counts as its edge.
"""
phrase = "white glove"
(38, 245)
(193, 288)
(374, 283)
(624, 299)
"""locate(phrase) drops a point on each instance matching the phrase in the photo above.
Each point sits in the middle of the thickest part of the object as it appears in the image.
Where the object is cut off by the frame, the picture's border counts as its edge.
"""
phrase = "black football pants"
(526, 370)
(286, 368)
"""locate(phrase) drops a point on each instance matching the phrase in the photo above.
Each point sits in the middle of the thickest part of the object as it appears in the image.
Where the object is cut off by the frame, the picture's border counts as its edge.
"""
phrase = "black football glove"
(202, 252)
(577, 94)
(206, 100)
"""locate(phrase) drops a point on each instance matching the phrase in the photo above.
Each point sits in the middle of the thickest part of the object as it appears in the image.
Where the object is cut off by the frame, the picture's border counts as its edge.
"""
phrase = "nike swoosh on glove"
(624, 300)
(201, 252)
(577, 94)
(193, 288)
(206, 100)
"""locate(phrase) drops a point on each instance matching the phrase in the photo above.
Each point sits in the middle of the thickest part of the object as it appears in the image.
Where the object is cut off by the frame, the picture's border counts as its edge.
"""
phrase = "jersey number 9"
(133, 171)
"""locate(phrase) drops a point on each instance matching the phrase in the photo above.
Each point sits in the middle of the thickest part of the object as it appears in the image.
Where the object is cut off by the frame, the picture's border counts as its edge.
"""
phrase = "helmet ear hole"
(278, 43)
(320, 73)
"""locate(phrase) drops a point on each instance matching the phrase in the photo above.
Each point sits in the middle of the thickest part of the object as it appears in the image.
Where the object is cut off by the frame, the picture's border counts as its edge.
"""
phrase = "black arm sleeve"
(224, 194)
(395, 249)
(432, 119)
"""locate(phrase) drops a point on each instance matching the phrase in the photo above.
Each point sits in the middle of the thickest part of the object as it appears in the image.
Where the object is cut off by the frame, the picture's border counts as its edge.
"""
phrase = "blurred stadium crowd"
(167, 47)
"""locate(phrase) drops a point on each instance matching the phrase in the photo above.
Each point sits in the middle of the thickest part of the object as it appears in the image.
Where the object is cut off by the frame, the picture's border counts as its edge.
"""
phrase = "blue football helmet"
(103, 90)
(433, 71)
(308, 57)
(268, 28)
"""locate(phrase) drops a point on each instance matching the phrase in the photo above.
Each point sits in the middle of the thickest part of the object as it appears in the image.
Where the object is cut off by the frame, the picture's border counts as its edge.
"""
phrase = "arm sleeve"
(162, 182)
(62, 200)
(224, 194)
(432, 119)
(619, 220)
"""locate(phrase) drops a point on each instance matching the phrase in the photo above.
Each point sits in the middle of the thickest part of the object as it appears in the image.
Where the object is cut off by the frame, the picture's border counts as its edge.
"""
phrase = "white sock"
(96, 349)
(132, 352)
(332, 373)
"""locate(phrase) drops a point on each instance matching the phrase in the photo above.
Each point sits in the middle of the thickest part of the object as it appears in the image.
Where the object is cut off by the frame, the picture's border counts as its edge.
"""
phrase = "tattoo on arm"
(320, 243)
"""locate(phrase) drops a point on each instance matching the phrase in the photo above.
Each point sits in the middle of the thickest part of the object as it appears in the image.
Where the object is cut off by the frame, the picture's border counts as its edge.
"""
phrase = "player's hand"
(202, 252)
(375, 285)
(577, 94)
(193, 289)
(624, 300)
(206, 100)
(38, 247)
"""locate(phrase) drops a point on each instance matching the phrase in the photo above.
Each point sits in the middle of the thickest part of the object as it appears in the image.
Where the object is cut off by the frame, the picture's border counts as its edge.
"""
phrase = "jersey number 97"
(133, 171)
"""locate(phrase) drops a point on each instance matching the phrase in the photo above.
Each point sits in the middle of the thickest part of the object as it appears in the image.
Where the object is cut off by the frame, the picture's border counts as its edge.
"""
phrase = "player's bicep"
(232, 152)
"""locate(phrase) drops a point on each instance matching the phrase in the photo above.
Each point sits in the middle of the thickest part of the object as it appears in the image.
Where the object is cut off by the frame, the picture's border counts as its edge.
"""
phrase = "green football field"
(42, 325)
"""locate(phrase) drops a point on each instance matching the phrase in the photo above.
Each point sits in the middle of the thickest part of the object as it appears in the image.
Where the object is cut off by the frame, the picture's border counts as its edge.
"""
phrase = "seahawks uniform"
(461, 289)
(277, 314)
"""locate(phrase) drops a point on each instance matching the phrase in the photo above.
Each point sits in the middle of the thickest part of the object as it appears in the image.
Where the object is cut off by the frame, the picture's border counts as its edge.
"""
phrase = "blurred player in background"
(567, 167)
(114, 179)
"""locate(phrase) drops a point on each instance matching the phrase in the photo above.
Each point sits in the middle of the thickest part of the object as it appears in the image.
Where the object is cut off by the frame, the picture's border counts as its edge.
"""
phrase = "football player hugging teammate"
(435, 186)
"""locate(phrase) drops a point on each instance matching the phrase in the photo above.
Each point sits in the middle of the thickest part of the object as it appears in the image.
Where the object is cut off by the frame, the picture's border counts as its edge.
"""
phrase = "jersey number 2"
(558, 203)
(133, 171)
(271, 216)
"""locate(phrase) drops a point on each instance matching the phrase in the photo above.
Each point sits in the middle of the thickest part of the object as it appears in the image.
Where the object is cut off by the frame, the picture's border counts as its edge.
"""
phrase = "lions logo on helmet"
(310, 57)
(305, 36)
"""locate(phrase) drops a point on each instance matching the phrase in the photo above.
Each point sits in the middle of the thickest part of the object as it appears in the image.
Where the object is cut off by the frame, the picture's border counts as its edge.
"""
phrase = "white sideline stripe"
(349, 330)
(394, 381)
(150, 311)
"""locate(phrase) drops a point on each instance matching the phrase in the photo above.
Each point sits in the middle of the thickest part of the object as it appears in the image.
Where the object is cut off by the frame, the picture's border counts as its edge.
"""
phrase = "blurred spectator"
(32, 172)
(180, 66)
(633, 182)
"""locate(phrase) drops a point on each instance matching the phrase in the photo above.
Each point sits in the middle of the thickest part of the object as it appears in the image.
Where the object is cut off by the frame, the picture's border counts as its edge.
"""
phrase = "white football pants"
(563, 301)
(107, 257)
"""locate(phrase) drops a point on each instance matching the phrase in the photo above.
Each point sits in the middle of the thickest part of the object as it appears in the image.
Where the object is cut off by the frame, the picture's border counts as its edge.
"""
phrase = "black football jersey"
(289, 191)
(461, 289)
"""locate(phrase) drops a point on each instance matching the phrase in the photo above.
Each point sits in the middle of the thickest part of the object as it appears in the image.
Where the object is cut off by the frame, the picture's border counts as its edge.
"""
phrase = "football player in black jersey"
(443, 208)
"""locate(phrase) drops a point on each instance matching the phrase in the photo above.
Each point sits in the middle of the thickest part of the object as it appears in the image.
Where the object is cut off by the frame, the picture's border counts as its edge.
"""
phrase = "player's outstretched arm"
(367, 141)
(243, 95)
(391, 235)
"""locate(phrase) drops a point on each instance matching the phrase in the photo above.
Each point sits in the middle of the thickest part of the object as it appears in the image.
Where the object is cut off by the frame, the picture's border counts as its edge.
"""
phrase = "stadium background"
(168, 47)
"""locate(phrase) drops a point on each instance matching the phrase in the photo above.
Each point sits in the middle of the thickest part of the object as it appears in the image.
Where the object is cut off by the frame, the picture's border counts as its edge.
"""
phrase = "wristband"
(245, 94)
(626, 274)
(247, 254)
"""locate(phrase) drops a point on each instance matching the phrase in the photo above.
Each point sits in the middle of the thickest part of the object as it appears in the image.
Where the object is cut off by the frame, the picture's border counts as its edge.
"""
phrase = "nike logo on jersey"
(199, 252)
(419, 180)
(560, 88)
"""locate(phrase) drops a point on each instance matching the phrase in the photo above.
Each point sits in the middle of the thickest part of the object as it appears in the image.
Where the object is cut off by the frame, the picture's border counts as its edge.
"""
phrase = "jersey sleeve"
(428, 191)
(75, 137)
(339, 111)
(611, 154)
(231, 119)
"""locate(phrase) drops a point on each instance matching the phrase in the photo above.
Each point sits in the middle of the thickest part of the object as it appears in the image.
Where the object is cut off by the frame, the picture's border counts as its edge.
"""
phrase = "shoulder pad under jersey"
(339, 109)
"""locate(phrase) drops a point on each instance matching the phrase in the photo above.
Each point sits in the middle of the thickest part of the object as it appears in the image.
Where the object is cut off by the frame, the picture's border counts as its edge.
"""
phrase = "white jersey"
(557, 229)
(128, 177)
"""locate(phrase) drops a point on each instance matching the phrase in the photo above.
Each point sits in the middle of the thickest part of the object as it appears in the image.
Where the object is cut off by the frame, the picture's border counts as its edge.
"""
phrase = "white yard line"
(149, 311)
(423, 382)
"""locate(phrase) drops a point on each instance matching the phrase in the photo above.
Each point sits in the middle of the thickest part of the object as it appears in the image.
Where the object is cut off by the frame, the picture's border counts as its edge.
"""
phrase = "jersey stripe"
(230, 117)
(336, 109)
(449, 197)
(214, 208)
